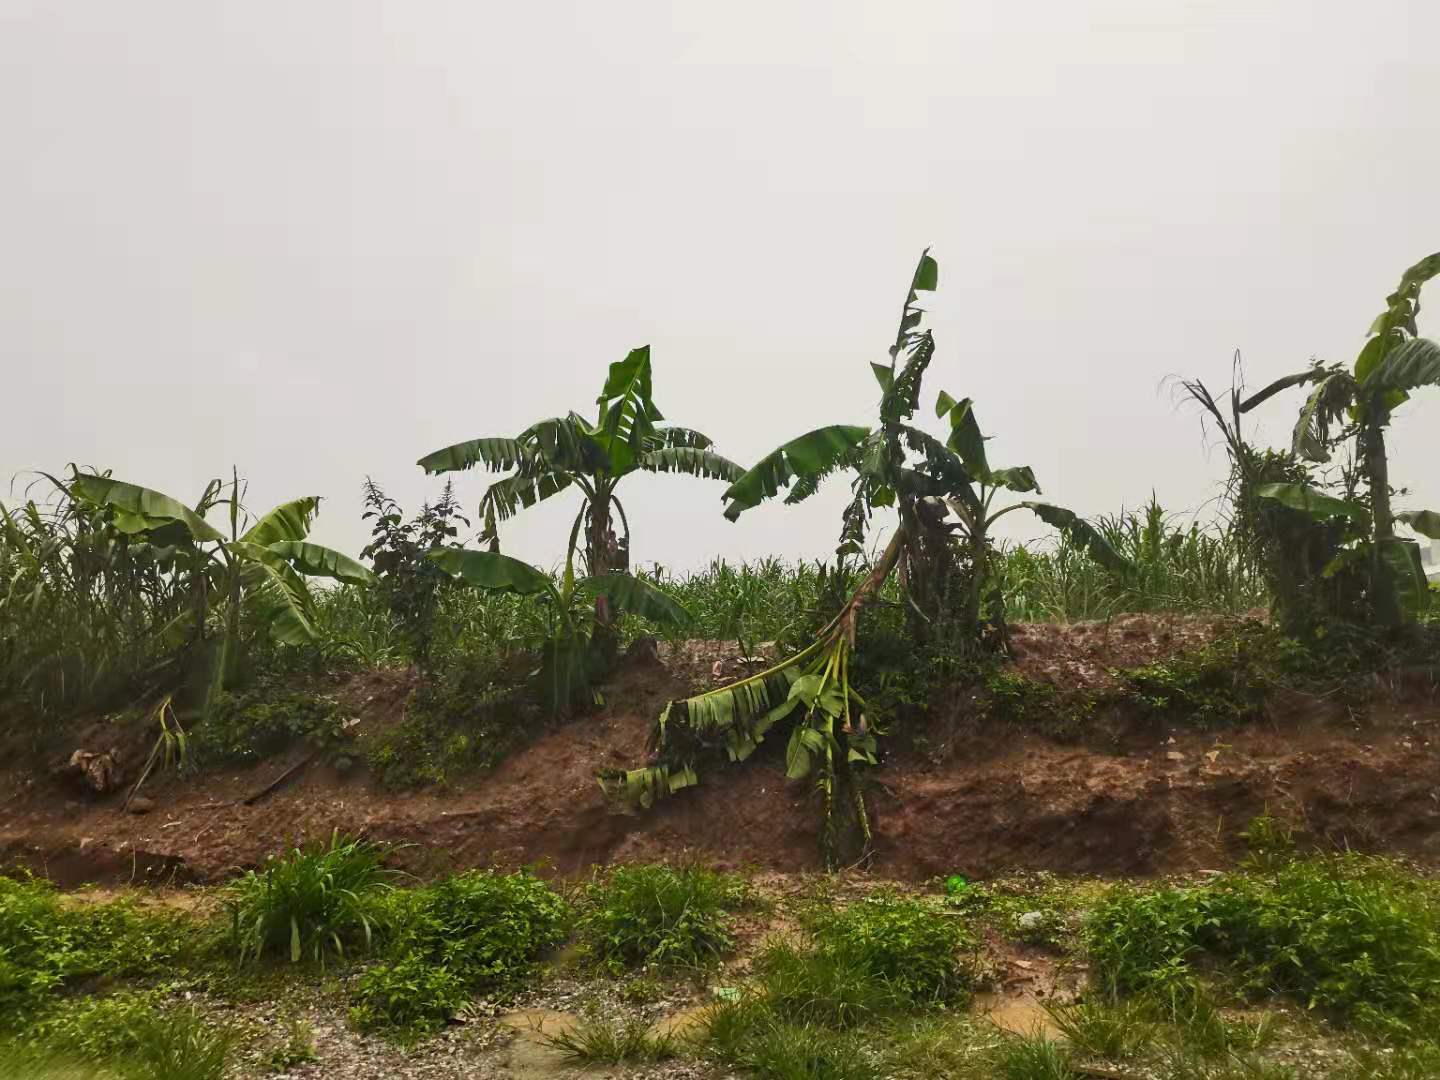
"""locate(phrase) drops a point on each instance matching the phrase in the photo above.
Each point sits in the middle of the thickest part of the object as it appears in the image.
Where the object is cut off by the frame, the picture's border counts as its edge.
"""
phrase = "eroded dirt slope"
(998, 799)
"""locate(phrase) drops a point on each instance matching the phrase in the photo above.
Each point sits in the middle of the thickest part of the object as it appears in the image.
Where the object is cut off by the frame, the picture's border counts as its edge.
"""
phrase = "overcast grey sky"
(321, 239)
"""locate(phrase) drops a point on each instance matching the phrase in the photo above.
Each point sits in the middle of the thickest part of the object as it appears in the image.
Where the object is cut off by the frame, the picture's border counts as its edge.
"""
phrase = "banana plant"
(1358, 403)
(262, 569)
(893, 465)
(554, 455)
(568, 664)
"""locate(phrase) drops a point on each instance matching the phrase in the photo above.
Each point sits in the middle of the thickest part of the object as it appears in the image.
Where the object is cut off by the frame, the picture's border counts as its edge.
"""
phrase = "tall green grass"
(1190, 568)
(1195, 568)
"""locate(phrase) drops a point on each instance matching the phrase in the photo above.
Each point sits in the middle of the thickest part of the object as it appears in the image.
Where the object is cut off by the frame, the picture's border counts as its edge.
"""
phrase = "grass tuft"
(598, 1040)
(310, 901)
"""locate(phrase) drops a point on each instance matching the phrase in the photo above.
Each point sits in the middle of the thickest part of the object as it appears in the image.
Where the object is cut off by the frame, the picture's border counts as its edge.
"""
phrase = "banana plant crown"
(268, 562)
(1358, 403)
(550, 456)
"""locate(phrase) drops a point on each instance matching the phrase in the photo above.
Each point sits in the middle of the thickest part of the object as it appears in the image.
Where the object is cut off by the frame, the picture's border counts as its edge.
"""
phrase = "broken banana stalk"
(832, 734)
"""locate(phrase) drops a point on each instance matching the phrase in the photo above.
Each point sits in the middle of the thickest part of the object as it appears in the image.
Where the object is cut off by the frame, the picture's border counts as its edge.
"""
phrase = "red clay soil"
(1000, 800)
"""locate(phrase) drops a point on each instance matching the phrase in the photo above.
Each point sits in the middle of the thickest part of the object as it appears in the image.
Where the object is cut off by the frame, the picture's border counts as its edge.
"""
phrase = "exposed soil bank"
(1145, 799)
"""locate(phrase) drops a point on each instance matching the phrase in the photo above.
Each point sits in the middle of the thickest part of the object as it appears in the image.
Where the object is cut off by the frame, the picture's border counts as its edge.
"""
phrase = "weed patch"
(905, 943)
(660, 917)
(477, 931)
(138, 1035)
(45, 948)
(250, 727)
(467, 716)
(1352, 936)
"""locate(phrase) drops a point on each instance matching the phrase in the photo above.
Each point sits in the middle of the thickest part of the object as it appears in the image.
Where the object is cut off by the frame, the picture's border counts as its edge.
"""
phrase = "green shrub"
(1353, 936)
(477, 931)
(249, 727)
(660, 916)
(906, 943)
(409, 997)
(312, 900)
(44, 946)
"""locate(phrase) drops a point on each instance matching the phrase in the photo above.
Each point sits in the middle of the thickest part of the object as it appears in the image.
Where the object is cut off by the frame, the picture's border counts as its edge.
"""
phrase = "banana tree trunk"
(1384, 599)
(597, 552)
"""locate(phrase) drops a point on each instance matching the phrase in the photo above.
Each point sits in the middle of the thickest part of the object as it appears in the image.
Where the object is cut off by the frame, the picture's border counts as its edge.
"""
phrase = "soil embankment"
(1148, 799)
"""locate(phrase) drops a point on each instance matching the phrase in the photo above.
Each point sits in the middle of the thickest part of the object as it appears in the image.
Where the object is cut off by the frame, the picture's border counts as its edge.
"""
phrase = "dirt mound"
(1002, 799)
(1081, 655)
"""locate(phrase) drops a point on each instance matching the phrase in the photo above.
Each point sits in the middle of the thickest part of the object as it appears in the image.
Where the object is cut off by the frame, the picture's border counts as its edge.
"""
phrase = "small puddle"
(529, 1055)
(1019, 1016)
(683, 1023)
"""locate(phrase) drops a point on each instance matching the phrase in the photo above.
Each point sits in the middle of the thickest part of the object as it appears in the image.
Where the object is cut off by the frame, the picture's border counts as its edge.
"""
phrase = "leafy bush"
(44, 946)
(904, 942)
(1353, 936)
(310, 900)
(409, 997)
(660, 916)
(477, 931)
(250, 727)
(409, 583)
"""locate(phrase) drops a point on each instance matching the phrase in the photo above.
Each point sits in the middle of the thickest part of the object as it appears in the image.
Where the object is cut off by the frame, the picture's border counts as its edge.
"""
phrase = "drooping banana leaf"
(497, 455)
(1407, 366)
(939, 460)
(682, 436)
(508, 496)
(691, 461)
(902, 397)
(813, 453)
(1310, 500)
(317, 560)
(638, 597)
(1425, 522)
(1326, 403)
(1407, 571)
(288, 521)
(278, 592)
(493, 571)
(1082, 533)
(139, 509)
(1299, 378)
(807, 485)
(1017, 478)
(567, 669)
(644, 787)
